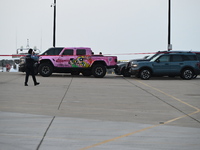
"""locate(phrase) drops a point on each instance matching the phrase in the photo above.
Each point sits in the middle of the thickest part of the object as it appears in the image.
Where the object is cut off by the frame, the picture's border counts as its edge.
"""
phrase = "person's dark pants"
(30, 71)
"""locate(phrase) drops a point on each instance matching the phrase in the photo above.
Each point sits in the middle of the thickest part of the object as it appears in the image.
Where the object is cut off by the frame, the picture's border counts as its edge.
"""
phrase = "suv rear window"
(176, 58)
(189, 57)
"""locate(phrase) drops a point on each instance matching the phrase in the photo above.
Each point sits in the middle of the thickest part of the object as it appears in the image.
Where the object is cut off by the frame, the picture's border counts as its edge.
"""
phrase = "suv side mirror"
(158, 61)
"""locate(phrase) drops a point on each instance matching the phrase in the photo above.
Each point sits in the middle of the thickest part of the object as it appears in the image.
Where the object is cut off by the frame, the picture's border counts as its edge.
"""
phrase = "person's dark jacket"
(30, 60)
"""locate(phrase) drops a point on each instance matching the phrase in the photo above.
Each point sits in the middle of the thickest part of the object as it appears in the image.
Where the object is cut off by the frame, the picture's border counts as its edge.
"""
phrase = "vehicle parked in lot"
(76, 60)
(185, 65)
(120, 69)
(123, 67)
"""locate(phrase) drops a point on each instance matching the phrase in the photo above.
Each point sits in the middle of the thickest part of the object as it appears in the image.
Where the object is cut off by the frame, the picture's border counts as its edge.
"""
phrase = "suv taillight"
(198, 64)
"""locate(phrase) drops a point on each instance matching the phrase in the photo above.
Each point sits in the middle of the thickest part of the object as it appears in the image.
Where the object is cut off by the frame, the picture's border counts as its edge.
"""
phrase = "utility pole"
(169, 27)
(54, 24)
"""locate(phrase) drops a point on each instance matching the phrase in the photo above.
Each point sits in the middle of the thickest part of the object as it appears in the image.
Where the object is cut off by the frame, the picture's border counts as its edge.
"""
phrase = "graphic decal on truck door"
(81, 61)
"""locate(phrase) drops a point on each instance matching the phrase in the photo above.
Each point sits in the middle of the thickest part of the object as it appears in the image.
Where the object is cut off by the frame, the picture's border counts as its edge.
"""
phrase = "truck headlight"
(40, 58)
(22, 61)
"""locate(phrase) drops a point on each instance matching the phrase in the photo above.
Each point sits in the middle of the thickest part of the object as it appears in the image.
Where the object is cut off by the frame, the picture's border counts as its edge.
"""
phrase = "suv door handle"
(166, 64)
(180, 63)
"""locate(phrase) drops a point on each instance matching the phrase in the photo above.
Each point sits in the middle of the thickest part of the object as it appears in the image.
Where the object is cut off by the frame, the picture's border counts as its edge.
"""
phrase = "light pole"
(169, 27)
(54, 24)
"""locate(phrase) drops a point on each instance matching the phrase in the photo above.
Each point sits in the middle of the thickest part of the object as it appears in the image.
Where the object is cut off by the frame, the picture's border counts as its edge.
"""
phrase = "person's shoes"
(37, 83)
(25, 84)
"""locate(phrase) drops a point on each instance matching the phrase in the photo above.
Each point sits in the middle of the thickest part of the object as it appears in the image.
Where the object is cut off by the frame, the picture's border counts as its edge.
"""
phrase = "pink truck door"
(64, 59)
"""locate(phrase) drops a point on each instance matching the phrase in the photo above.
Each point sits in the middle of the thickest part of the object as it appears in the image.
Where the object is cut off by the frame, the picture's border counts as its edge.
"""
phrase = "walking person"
(30, 60)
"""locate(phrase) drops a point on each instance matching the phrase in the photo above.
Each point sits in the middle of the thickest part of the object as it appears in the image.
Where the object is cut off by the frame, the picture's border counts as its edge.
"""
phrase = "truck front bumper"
(133, 71)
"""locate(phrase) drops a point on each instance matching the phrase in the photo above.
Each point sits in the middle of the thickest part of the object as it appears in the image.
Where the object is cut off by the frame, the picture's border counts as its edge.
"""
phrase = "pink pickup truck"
(76, 60)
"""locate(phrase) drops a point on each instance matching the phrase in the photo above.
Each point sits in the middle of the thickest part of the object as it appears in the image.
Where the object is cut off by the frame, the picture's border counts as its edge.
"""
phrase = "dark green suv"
(185, 65)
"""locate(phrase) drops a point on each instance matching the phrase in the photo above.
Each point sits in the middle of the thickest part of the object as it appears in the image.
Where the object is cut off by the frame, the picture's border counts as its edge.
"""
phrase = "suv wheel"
(145, 74)
(99, 71)
(187, 74)
(45, 69)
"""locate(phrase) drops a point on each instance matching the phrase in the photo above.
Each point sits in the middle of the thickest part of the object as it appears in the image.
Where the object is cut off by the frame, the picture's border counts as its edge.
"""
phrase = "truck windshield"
(52, 51)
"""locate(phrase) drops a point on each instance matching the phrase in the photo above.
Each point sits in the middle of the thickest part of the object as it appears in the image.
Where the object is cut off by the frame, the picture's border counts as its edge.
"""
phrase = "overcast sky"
(109, 26)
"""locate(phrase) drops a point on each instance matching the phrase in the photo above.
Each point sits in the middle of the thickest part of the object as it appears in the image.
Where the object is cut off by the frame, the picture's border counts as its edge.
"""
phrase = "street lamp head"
(53, 4)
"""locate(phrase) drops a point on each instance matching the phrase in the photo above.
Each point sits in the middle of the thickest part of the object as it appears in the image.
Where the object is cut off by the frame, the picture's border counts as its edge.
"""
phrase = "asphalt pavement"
(69, 112)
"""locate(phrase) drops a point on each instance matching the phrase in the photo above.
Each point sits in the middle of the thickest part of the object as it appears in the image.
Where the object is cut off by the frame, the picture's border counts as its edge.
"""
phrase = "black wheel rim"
(188, 74)
(145, 74)
(45, 69)
(99, 71)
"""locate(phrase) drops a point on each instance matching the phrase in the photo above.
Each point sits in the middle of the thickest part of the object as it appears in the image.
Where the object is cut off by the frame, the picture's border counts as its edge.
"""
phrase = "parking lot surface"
(112, 113)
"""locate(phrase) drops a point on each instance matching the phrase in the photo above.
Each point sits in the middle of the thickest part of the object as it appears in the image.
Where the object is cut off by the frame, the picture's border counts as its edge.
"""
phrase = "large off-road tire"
(45, 69)
(99, 71)
(187, 74)
(145, 74)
